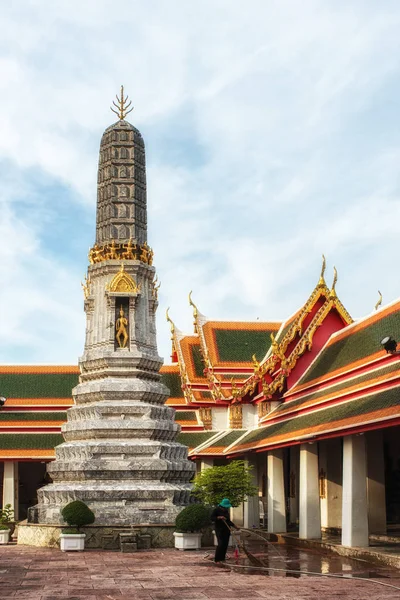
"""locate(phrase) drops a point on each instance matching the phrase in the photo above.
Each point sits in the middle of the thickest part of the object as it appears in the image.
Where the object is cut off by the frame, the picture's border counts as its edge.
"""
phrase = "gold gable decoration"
(235, 416)
(123, 282)
(206, 417)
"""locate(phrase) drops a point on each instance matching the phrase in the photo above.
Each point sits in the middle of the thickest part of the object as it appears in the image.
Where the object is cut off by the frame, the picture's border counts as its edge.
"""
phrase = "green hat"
(225, 503)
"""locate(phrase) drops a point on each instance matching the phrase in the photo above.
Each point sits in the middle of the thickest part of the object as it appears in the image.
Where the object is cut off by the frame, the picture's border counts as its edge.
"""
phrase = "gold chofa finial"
(333, 288)
(378, 304)
(321, 281)
(195, 309)
(123, 105)
(171, 323)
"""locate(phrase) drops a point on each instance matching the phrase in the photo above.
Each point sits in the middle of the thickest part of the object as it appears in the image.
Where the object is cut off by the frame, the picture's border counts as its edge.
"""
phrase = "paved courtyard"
(45, 574)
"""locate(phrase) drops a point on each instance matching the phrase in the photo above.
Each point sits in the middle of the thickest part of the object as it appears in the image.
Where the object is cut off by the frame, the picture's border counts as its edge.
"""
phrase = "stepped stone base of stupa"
(114, 503)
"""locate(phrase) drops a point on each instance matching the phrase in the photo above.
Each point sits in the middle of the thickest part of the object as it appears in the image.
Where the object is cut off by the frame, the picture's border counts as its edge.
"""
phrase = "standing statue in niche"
(121, 329)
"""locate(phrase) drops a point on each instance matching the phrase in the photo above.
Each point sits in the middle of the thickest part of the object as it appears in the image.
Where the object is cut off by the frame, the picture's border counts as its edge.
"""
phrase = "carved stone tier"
(119, 456)
(121, 188)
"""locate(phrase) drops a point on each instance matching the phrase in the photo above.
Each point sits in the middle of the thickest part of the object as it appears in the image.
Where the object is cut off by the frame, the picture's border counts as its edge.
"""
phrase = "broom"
(254, 561)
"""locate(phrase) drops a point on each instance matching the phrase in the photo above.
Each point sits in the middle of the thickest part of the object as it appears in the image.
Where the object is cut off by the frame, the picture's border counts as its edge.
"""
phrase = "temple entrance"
(29, 477)
(391, 442)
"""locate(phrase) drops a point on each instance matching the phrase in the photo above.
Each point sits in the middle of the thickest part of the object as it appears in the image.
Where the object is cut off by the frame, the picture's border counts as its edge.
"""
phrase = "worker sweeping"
(222, 527)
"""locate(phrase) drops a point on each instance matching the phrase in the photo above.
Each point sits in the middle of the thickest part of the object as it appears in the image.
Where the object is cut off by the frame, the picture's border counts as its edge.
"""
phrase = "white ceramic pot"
(72, 542)
(187, 541)
(4, 536)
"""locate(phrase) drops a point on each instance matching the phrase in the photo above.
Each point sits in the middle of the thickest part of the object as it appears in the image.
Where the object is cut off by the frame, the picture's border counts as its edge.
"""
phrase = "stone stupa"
(120, 455)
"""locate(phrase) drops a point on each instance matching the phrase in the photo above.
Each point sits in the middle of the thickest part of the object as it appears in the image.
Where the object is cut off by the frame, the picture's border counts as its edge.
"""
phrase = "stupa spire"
(121, 183)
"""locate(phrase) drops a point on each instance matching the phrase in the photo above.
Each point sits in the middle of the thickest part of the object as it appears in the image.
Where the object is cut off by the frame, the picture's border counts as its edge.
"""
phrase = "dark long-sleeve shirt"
(219, 524)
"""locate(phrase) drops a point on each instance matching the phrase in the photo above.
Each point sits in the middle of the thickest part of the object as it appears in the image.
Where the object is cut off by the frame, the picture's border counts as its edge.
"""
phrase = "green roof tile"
(228, 438)
(197, 360)
(32, 441)
(37, 385)
(185, 415)
(60, 415)
(173, 383)
(194, 438)
(239, 345)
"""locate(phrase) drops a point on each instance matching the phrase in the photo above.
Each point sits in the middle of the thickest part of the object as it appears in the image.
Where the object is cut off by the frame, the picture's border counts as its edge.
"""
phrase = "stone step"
(119, 450)
(120, 429)
(126, 388)
(124, 411)
(140, 469)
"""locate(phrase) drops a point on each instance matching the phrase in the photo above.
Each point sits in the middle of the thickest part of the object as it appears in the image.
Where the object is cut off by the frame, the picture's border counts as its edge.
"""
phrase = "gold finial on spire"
(333, 290)
(321, 281)
(378, 304)
(123, 105)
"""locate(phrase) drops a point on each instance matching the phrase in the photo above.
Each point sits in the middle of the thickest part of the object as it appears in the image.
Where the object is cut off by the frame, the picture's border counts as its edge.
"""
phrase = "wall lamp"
(390, 345)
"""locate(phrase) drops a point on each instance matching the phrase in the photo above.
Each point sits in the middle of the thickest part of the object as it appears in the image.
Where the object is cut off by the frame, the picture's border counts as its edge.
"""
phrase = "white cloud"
(278, 143)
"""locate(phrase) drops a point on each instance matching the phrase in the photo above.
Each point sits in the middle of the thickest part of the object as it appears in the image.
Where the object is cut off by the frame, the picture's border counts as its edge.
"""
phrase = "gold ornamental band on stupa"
(121, 251)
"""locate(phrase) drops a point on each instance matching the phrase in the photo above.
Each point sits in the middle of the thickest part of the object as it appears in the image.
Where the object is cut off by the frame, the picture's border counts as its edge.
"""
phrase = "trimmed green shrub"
(192, 518)
(4, 528)
(77, 514)
(6, 515)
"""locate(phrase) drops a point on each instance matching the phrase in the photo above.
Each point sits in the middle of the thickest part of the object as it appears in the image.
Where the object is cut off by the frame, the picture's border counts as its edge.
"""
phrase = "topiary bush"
(77, 514)
(6, 514)
(192, 518)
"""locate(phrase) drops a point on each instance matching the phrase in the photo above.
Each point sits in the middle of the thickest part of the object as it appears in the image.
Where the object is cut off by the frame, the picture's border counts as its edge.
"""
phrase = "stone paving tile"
(44, 574)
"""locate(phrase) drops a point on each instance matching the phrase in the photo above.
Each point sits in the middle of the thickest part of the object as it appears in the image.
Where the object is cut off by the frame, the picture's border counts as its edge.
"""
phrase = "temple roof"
(346, 417)
(353, 347)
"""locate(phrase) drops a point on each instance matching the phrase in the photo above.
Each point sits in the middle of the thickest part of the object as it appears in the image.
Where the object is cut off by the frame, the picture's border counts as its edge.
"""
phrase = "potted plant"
(7, 526)
(76, 514)
(189, 524)
(4, 534)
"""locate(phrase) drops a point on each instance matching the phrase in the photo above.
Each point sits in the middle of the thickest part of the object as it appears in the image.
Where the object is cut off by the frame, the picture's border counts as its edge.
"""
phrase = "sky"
(272, 134)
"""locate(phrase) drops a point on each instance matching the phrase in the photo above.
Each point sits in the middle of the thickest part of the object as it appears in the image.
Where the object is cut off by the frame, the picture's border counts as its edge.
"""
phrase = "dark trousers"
(223, 541)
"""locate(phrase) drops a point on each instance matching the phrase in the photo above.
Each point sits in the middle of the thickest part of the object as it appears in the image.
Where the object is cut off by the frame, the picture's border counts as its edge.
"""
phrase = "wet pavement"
(382, 548)
(165, 574)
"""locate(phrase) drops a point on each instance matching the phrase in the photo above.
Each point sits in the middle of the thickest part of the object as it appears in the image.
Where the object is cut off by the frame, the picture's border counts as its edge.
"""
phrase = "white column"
(294, 485)
(10, 485)
(309, 508)
(206, 463)
(251, 516)
(354, 511)
(376, 482)
(276, 492)
(237, 515)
